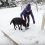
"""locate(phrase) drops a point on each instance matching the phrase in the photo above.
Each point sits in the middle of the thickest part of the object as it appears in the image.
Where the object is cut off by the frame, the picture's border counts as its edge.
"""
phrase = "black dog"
(18, 21)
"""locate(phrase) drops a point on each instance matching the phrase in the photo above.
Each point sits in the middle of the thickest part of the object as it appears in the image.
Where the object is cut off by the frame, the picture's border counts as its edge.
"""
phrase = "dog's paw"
(21, 29)
(15, 28)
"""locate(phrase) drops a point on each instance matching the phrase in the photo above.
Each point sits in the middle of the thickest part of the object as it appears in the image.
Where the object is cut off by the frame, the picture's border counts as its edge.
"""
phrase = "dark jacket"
(27, 10)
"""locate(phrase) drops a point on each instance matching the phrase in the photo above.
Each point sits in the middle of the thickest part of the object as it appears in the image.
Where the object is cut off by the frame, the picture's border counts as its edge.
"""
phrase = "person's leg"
(32, 16)
(25, 19)
(28, 20)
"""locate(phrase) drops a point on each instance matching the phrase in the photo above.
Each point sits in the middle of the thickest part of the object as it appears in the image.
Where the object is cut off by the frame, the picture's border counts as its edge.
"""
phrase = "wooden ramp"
(9, 37)
(17, 37)
(13, 35)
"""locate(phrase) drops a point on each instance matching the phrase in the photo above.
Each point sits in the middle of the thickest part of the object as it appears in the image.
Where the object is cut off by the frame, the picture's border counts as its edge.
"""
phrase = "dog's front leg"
(21, 27)
(14, 27)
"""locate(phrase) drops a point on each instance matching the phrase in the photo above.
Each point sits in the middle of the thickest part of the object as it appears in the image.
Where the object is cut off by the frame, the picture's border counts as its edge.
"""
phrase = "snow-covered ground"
(32, 36)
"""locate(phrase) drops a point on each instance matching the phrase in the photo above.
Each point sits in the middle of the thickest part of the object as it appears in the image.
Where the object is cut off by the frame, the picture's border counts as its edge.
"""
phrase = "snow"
(34, 35)
(6, 16)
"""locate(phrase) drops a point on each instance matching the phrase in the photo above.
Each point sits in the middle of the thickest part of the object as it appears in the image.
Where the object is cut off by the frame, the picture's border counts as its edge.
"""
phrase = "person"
(26, 12)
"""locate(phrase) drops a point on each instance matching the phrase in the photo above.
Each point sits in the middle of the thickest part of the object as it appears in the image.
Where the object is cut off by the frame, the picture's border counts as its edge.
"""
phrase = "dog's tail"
(11, 22)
